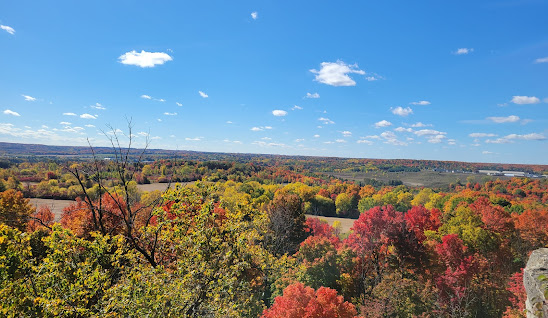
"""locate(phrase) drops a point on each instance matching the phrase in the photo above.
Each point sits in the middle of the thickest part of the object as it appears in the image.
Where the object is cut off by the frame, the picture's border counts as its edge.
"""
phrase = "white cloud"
(436, 139)
(296, 107)
(501, 120)
(365, 141)
(499, 141)
(421, 103)
(144, 59)
(326, 121)
(328, 142)
(279, 113)
(193, 139)
(532, 136)
(392, 139)
(382, 123)
(229, 122)
(69, 114)
(204, 95)
(313, 95)
(146, 97)
(336, 74)
(341, 141)
(65, 123)
(90, 126)
(428, 132)
(485, 152)
(464, 50)
(388, 135)
(402, 129)
(346, 133)
(88, 116)
(267, 127)
(542, 60)
(419, 124)
(98, 106)
(178, 104)
(8, 29)
(524, 100)
(254, 15)
(29, 98)
(400, 111)
(481, 135)
(299, 140)
(316, 136)
(266, 138)
(11, 112)
(170, 114)
(161, 100)
(371, 137)
(261, 128)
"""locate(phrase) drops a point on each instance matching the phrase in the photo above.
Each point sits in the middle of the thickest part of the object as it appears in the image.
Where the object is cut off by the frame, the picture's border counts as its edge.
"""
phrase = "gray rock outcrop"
(537, 265)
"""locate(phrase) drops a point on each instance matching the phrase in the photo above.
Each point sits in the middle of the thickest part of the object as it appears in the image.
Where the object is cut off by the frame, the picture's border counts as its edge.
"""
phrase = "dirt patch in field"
(158, 186)
(346, 224)
(56, 206)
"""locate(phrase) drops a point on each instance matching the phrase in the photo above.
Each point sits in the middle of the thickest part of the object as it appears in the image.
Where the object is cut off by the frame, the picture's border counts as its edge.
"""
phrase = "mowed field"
(425, 178)
(346, 224)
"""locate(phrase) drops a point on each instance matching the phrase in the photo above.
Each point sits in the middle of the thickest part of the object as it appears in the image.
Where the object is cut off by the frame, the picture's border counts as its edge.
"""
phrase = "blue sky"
(444, 80)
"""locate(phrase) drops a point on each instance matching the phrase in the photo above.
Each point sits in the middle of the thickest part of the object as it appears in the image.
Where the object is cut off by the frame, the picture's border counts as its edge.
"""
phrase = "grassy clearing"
(346, 224)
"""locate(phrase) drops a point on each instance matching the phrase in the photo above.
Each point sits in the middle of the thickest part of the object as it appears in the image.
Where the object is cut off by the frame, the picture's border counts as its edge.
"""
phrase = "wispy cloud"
(87, 116)
(421, 103)
(296, 107)
(11, 112)
(402, 129)
(170, 114)
(365, 141)
(312, 95)
(29, 98)
(178, 104)
(261, 128)
(512, 137)
(69, 114)
(462, 51)
(390, 138)
(346, 133)
(542, 60)
(8, 29)
(98, 106)
(193, 139)
(254, 15)
(146, 97)
(502, 120)
(204, 95)
(279, 113)
(144, 59)
(382, 123)
(481, 135)
(336, 73)
(326, 121)
(419, 124)
(524, 100)
(400, 111)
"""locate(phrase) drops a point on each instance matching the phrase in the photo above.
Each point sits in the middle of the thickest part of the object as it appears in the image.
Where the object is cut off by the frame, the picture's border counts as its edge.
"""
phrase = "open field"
(346, 224)
(424, 178)
(56, 206)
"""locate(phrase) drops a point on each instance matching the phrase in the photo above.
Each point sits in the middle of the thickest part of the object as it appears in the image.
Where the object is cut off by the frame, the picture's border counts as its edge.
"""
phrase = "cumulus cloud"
(364, 141)
(29, 98)
(532, 136)
(65, 123)
(346, 133)
(204, 95)
(316, 136)
(178, 104)
(436, 139)
(400, 111)
(8, 29)
(390, 138)
(428, 132)
(463, 51)
(419, 125)
(296, 107)
(69, 114)
(90, 126)
(326, 121)
(542, 60)
(382, 123)
(279, 113)
(336, 73)
(146, 97)
(402, 129)
(312, 95)
(502, 120)
(144, 59)
(87, 116)
(254, 15)
(341, 141)
(524, 100)
(170, 114)
(421, 103)
(11, 112)
(481, 135)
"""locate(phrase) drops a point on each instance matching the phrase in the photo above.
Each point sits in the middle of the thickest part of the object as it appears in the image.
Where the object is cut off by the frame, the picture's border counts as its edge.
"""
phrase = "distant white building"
(491, 172)
(514, 173)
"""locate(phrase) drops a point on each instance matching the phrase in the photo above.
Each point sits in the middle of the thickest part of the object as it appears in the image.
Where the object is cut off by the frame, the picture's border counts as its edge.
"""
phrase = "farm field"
(424, 178)
(346, 224)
